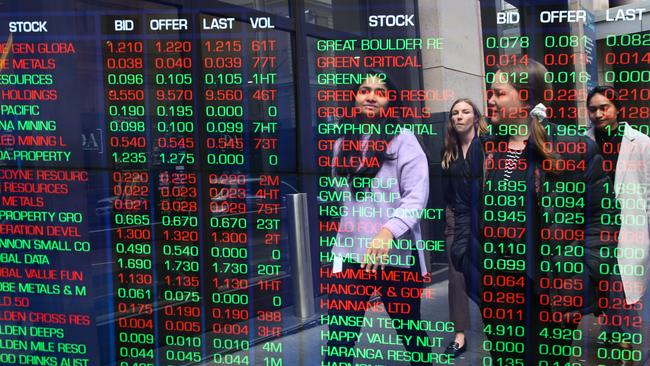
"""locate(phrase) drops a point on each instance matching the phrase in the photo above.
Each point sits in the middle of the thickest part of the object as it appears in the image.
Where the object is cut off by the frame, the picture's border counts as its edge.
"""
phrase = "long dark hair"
(382, 137)
(451, 149)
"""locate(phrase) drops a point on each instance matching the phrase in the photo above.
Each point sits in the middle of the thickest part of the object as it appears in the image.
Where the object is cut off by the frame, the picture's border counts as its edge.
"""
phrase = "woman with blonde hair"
(465, 123)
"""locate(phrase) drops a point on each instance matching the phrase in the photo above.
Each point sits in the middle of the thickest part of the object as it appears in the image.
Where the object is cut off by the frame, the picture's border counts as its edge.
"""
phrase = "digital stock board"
(471, 170)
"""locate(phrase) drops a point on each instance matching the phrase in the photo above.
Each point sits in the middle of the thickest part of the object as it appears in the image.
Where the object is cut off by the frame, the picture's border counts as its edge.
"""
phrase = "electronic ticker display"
(474, 170)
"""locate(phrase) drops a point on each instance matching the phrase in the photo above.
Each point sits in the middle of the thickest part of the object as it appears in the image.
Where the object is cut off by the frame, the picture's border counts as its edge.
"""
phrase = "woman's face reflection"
(372, 96)
(602, 112)
(462, 116)
(504, 105)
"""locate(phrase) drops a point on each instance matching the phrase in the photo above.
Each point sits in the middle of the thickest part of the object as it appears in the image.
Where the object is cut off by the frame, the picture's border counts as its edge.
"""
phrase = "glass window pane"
(278, 7)
(342, 15)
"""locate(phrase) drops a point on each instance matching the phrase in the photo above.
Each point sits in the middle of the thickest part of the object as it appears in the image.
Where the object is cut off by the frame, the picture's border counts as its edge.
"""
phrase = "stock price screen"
(465, 171)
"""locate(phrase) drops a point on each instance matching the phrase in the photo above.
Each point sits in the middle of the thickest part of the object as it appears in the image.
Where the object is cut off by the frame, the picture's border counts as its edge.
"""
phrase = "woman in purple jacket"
(384, 179)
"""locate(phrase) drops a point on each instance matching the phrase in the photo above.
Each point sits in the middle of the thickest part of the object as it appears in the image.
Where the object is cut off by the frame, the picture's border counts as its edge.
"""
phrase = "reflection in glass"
(278, 7)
